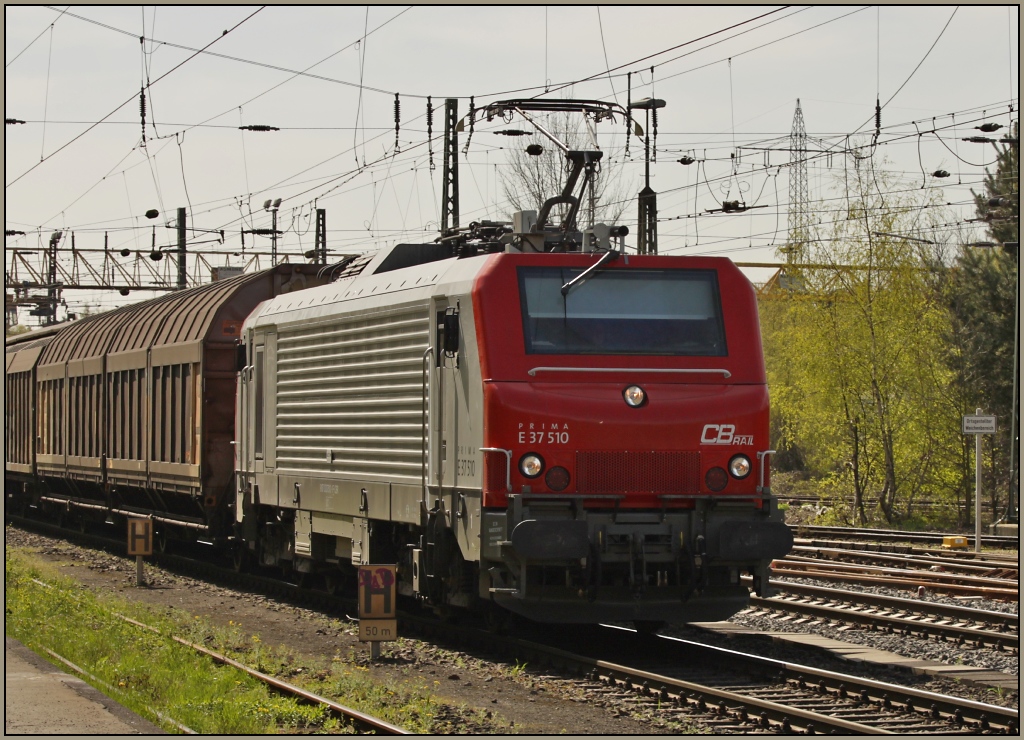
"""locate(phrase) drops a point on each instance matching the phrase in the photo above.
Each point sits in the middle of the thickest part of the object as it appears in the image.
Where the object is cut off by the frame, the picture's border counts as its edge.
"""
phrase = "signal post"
(978, 425)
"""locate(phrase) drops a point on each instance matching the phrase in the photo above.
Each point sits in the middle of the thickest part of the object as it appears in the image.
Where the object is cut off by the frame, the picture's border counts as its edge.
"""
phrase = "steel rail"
(354, 715)
(932, 608)
(904, 624)
(947, 565)
(910, 582)
(948, 554)
(878, 691)
(110, 690)
(892, 535)
(1002, 594)
(770, 709)
(818, 564)
(891, 704)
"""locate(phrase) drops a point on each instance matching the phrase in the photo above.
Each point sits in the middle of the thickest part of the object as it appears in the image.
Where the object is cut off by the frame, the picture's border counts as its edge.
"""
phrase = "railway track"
(946, 583)
(940, 562)
(739, 693)
(360, 722)
(990, 557)
(890, 535)
(962, 625)
(745, 693)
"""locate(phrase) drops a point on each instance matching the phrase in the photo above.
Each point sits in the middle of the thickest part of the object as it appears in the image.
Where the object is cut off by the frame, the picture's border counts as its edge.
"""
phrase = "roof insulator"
(258, 127)
(9, 121)
(514, 132)
(979, 140)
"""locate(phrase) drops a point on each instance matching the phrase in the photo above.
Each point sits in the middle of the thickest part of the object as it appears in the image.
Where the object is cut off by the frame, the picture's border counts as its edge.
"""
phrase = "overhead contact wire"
(126, 102)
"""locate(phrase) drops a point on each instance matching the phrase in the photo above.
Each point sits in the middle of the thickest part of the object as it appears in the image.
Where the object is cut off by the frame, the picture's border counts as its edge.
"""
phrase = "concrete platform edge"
(83, 689)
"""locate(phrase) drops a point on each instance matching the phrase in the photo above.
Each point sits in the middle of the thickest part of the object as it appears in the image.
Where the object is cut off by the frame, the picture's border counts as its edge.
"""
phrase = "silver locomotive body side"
(357, 442)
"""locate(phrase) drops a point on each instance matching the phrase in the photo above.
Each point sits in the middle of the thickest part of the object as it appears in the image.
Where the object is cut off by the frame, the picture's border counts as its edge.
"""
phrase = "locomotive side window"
(635, 312)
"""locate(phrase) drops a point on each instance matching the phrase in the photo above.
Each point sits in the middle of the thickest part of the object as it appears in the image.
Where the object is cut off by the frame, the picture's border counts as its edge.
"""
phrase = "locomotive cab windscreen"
(640, 312)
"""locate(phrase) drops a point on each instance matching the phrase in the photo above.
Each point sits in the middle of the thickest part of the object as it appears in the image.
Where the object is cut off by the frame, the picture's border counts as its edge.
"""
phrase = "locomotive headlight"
(634, 396)
(531, 465)
(740, 467)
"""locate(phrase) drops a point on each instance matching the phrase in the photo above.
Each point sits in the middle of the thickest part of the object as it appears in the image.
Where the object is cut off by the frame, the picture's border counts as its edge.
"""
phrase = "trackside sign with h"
(140, 536)
(140, 543)
(378, 616)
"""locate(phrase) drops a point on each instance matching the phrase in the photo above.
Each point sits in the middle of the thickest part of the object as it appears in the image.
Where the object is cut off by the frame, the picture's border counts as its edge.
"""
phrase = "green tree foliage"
(856, 364)
(980, 299)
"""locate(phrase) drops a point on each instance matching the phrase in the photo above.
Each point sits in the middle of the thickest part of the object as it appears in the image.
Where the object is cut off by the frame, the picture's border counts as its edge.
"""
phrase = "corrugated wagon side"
(136, 406)
(22, 357)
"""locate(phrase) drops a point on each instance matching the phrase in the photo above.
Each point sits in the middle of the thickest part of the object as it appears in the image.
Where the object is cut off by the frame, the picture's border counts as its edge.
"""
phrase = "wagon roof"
(171, 319)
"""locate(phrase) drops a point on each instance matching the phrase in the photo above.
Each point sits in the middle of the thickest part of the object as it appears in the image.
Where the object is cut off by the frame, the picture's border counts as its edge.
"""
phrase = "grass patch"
(152, 675)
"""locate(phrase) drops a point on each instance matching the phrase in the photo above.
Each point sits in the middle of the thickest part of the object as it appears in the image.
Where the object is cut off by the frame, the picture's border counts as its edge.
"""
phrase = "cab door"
(446, 312)
(245, 427)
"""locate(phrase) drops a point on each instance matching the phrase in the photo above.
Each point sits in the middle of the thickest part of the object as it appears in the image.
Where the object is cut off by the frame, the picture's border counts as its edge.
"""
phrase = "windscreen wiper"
(609, 256)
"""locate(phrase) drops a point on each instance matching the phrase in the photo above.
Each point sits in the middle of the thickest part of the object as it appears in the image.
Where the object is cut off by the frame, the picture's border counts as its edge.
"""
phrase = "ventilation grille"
(350, 396)
(636, 472)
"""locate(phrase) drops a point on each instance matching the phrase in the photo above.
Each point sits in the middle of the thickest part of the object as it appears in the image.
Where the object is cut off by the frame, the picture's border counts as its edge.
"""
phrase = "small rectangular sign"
(377, 591)
(974, 424)
(378, 630)
(140, 536)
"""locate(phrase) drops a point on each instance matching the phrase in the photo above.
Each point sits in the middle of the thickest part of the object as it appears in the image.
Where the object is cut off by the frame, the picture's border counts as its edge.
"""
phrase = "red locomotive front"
(626, 437)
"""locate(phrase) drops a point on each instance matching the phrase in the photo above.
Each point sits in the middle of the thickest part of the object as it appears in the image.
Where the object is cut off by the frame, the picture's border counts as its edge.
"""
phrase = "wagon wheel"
(498, 621)
(334, 582)
(161, 540)
(240, 557)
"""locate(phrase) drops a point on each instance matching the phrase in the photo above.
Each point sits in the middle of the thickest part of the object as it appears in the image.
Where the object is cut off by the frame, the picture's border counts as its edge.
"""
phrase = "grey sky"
(739, 86)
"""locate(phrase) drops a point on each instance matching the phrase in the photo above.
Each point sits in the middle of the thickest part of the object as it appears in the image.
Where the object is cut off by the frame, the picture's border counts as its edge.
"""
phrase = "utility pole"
(647, 200)
(320, 252)
(52, 293)
(182, 272)
(450, 192)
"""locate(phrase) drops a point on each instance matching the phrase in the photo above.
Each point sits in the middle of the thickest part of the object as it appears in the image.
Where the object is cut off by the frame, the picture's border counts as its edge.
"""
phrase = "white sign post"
(978, 425)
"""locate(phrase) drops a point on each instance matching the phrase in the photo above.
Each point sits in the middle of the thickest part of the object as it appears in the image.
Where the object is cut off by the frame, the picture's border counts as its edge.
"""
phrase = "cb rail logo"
(724, 434)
